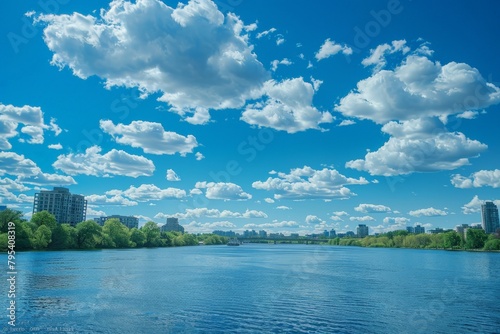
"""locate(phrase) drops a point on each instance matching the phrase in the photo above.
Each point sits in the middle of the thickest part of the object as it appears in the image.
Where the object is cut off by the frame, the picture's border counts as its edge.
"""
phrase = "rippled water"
(258, 289)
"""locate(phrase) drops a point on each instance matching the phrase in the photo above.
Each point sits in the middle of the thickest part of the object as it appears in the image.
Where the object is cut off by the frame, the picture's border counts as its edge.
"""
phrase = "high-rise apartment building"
(66, 207)
(172, 225)
(489, 215)
(362, 230)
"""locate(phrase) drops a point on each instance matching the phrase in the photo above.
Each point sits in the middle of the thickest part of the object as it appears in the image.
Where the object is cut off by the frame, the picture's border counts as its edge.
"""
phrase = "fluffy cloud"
(199, 156)
(149, 192)
(306, 182)
(17, 165)
(362, 219)
(31, 119)
(109, 200)
(11, 185)
(330, 48)
(213, 213)
(311, 219)
(115, 162)
(172, 175)
(288, 107)
(483, 178)
(428, 212)
(265, 33)
(57, 146)
(377, 56)
(346, 122)
(413, 101)
(283, 207)
(284, 61)
(269, 200)
(197, 227)
(196, 57)
(274, 224)
(43, 179)
(150, 137)
(221, 190)
(370, 208)
(468, 114)
(420, 145)
(474, 206)
(28, 172)
(417, 88)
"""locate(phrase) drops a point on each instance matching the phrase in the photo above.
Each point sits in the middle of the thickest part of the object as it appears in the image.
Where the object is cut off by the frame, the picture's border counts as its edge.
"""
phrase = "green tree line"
(476, 239)
(42, 232)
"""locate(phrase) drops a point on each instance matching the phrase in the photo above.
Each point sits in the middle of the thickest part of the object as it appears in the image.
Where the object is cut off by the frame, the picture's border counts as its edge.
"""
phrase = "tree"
(119, 233)
(152, 233)
(137, 237)
(451, 240)
(42, 237)
(88, 234)
(24, 235)
(7, 216)
(475, 238)
(63, 237)
(492, 244)
(44, 218)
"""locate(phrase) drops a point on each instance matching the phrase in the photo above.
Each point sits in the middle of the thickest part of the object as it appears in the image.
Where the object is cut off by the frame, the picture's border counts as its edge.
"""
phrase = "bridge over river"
(285, 240)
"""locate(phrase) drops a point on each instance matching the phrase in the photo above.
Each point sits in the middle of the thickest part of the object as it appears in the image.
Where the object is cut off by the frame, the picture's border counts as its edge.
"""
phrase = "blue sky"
(286, 116)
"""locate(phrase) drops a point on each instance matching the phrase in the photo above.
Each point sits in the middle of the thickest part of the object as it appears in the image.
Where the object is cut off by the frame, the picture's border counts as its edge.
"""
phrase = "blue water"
(257, 289)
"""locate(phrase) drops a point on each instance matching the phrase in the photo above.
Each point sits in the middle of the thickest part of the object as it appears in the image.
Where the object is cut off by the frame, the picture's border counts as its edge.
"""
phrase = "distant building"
(419, 229)
(129, 221)
(3, 207)
(460, 229)
(489, 216)
(172, 225)
(350, 234)
(250, 234)
(437, 230)
(333, 234)
(362, 231)
(294, 235)
(224, 233)
(67, 208)
(326, 234)
(262, 234)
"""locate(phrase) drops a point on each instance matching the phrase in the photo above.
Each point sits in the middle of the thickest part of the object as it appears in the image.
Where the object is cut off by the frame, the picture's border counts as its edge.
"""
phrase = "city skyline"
(230, 116)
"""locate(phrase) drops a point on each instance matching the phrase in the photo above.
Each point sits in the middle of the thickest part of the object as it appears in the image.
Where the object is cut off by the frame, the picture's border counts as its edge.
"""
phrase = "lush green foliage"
(476, 239)
(43, 232)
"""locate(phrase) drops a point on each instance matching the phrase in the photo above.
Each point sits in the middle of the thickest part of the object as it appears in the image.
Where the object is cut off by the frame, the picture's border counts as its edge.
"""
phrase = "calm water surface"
(257, 289)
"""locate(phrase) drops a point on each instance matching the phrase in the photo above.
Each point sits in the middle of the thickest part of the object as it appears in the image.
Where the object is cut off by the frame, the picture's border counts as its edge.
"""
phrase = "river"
(256, 289)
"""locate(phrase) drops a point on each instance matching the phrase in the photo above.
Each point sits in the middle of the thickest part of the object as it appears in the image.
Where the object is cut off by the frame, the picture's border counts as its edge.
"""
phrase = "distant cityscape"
(71, 209)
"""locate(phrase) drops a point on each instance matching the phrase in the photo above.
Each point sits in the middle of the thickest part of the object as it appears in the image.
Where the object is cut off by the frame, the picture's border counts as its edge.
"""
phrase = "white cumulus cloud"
(421, 145)
(114, 162)
(150, 137)
(482, 178)
(196, 57)
(306, 182)
(419, 87)
(370, 208)
(330, 48)
(172, 175)
(222, 190)
(31, 123)
(427, 212)
(288, 107)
